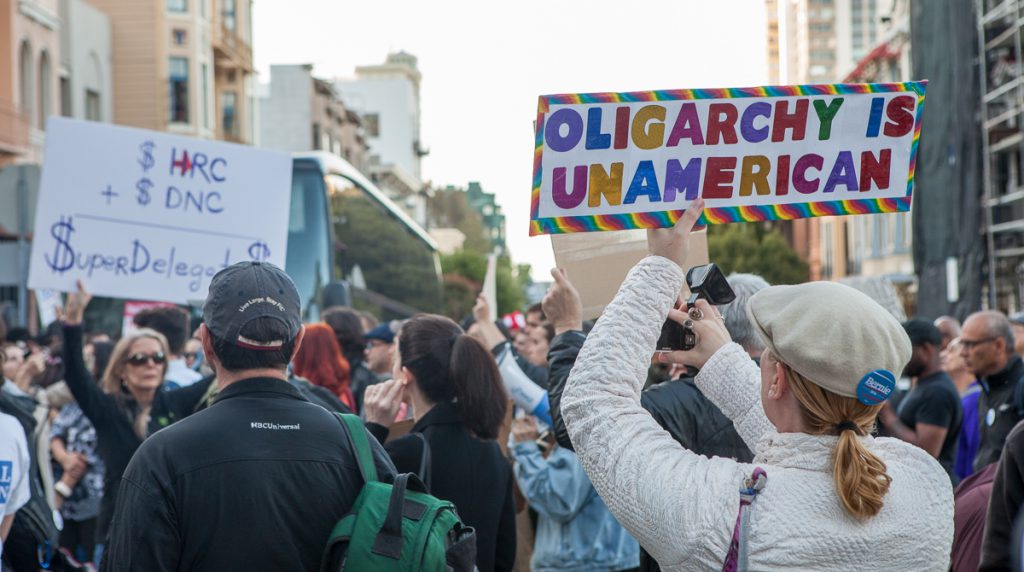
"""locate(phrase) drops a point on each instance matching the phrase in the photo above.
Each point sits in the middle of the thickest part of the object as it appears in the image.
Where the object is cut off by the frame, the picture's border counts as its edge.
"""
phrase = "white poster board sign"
(142, 214)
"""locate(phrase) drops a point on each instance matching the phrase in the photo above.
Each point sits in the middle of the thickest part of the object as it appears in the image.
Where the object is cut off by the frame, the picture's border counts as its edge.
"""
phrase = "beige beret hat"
(835, 336)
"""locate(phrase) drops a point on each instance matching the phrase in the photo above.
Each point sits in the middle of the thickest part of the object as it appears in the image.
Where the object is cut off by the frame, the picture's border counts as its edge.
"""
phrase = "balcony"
(14, 132)
(230, 50)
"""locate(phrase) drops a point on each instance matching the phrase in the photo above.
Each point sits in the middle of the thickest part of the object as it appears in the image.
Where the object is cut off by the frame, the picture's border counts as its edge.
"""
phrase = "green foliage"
(741, 247)
(465, 270)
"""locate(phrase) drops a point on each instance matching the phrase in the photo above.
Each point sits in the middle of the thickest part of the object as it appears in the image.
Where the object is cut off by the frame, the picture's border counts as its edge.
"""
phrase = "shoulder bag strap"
(737, 560)
(353, 426)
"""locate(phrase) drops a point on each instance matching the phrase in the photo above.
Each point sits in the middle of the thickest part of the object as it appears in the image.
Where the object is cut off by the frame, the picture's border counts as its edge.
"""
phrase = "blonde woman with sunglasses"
(129, 403)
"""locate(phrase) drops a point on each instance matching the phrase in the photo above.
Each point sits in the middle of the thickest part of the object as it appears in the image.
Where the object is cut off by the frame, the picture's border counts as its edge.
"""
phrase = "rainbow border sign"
(613, 161)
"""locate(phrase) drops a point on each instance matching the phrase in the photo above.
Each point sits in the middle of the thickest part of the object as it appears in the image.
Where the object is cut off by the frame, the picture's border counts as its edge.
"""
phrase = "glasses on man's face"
(971, 344)
(141, 359)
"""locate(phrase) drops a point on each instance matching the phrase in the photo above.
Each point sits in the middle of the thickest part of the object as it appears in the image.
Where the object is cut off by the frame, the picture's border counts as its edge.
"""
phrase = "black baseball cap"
(922, 332)
(246, 291)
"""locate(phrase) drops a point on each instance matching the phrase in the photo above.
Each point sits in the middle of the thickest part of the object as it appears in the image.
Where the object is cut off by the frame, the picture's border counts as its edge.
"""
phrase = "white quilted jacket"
(682, 507)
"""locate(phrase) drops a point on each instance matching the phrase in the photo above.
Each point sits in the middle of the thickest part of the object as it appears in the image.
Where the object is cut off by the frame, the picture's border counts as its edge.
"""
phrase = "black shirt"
(935, 401)
(471, 473)
(998, 411)
(255, 482)
(113, 419)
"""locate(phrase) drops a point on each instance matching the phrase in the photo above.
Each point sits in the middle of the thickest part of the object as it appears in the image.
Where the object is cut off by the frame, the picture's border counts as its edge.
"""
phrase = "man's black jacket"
(254, 482)
(677, 405)
(999, 410)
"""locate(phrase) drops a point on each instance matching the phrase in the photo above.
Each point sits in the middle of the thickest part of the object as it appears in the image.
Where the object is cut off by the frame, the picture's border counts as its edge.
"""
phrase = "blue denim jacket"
(575, 530)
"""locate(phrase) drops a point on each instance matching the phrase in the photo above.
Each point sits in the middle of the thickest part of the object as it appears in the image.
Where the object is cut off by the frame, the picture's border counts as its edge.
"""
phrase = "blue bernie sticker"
(875, 387)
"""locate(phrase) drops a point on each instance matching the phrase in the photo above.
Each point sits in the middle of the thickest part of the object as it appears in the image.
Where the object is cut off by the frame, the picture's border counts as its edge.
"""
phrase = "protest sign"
(47, 302)
(490, 288)
(613, 161)
(598, 263)
(132, 309)
(142, 214)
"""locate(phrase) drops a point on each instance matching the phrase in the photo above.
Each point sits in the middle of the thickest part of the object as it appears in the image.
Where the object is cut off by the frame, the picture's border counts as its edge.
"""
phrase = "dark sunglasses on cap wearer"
(140, 359)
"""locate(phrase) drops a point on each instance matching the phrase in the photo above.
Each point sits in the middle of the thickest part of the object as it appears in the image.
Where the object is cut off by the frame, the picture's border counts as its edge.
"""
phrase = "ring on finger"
(695, 313)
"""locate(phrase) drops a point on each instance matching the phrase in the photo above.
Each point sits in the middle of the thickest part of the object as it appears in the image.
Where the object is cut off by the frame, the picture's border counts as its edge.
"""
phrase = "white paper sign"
(142, 214)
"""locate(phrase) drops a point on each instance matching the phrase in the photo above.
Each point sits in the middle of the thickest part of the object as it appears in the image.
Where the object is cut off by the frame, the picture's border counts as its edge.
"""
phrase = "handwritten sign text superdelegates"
(151, 216)
(609, 161)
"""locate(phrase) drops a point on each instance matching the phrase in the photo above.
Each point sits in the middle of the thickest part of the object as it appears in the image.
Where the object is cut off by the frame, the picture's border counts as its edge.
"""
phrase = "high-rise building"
(772, 37)
(810, 42)
(183, 66)
(880, 245)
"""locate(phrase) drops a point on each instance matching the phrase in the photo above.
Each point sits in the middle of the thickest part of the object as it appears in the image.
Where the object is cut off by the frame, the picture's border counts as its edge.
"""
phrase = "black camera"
(705, 282)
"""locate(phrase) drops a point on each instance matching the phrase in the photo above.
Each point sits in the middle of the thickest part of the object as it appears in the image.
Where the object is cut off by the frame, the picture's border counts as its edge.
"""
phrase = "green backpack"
(396, 527)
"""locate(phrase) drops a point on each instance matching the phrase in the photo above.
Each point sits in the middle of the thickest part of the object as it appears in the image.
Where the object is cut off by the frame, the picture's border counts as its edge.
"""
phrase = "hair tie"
(847, 425)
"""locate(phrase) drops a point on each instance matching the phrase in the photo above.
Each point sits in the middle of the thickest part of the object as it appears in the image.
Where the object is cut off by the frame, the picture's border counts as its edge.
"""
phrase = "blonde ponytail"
(860, 477)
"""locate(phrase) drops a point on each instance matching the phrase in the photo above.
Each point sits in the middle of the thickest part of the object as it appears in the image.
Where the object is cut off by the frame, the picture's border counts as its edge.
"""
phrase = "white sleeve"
(732, 381)
(14, 466)
(677, 504)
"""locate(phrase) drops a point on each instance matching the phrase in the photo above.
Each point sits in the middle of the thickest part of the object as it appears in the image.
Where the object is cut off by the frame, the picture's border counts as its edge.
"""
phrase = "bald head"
(949, 327)
(987, 341)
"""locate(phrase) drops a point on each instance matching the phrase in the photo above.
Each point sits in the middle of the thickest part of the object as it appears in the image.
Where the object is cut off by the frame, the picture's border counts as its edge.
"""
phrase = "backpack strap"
(424, 472)
(353, 426)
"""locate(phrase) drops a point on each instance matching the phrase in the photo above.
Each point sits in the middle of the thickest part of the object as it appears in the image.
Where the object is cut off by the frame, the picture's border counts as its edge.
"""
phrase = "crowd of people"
(808, 429)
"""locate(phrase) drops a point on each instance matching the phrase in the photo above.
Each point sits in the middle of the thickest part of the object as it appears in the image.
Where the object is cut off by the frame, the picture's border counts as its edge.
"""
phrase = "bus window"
(393, 261)
(308, 260)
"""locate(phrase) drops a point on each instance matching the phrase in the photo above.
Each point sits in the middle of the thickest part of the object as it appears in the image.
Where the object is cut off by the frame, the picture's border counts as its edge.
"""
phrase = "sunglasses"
(971, 344)
(140, 359)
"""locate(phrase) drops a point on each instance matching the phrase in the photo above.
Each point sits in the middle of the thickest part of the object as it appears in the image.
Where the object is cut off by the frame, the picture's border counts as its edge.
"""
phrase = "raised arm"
(564, 308)
(677, 504)
(97, 406)
(731, 380)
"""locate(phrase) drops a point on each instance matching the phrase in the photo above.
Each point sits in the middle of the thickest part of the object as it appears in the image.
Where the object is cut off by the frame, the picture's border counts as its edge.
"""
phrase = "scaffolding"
(1000, 25)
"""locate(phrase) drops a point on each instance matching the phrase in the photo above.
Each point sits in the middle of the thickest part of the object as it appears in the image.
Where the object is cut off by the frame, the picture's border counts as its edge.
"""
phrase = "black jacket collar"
(1011, 373)
(441, 414)
(266, 386)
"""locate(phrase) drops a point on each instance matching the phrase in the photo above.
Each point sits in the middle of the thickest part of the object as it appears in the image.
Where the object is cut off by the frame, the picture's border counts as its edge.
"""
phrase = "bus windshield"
(378, 253)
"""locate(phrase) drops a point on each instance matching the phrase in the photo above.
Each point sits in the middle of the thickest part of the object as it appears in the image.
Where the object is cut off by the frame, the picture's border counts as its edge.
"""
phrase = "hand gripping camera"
(705, 282)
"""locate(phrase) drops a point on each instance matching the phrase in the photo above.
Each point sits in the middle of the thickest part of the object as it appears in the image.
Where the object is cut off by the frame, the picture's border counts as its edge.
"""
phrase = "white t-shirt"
(180, 374)
(14, 467)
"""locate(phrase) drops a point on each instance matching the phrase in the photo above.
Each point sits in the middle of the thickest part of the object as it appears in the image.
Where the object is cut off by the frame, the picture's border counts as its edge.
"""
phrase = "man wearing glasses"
(987, 343)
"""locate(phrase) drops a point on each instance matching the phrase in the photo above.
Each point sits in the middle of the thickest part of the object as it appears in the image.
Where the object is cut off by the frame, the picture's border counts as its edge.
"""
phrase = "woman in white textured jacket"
(834, 498)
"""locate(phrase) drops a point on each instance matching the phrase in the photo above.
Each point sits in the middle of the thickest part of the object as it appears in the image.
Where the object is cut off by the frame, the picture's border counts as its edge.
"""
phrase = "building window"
(65, 96)
(316, 136)
(179, 89)
(371, 122)
(27, 67)
(229, 122)
(205, 95)
(177, 5)
(45, 95)
(180, 36)
(92, 105)
(228, 16)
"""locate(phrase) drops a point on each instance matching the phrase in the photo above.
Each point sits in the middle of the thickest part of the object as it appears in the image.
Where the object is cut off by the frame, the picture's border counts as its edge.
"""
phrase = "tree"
(744, 247)
(470, 268)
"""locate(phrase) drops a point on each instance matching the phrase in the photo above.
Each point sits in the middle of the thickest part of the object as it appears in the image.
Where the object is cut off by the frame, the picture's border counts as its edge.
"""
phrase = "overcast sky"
(485, 63)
